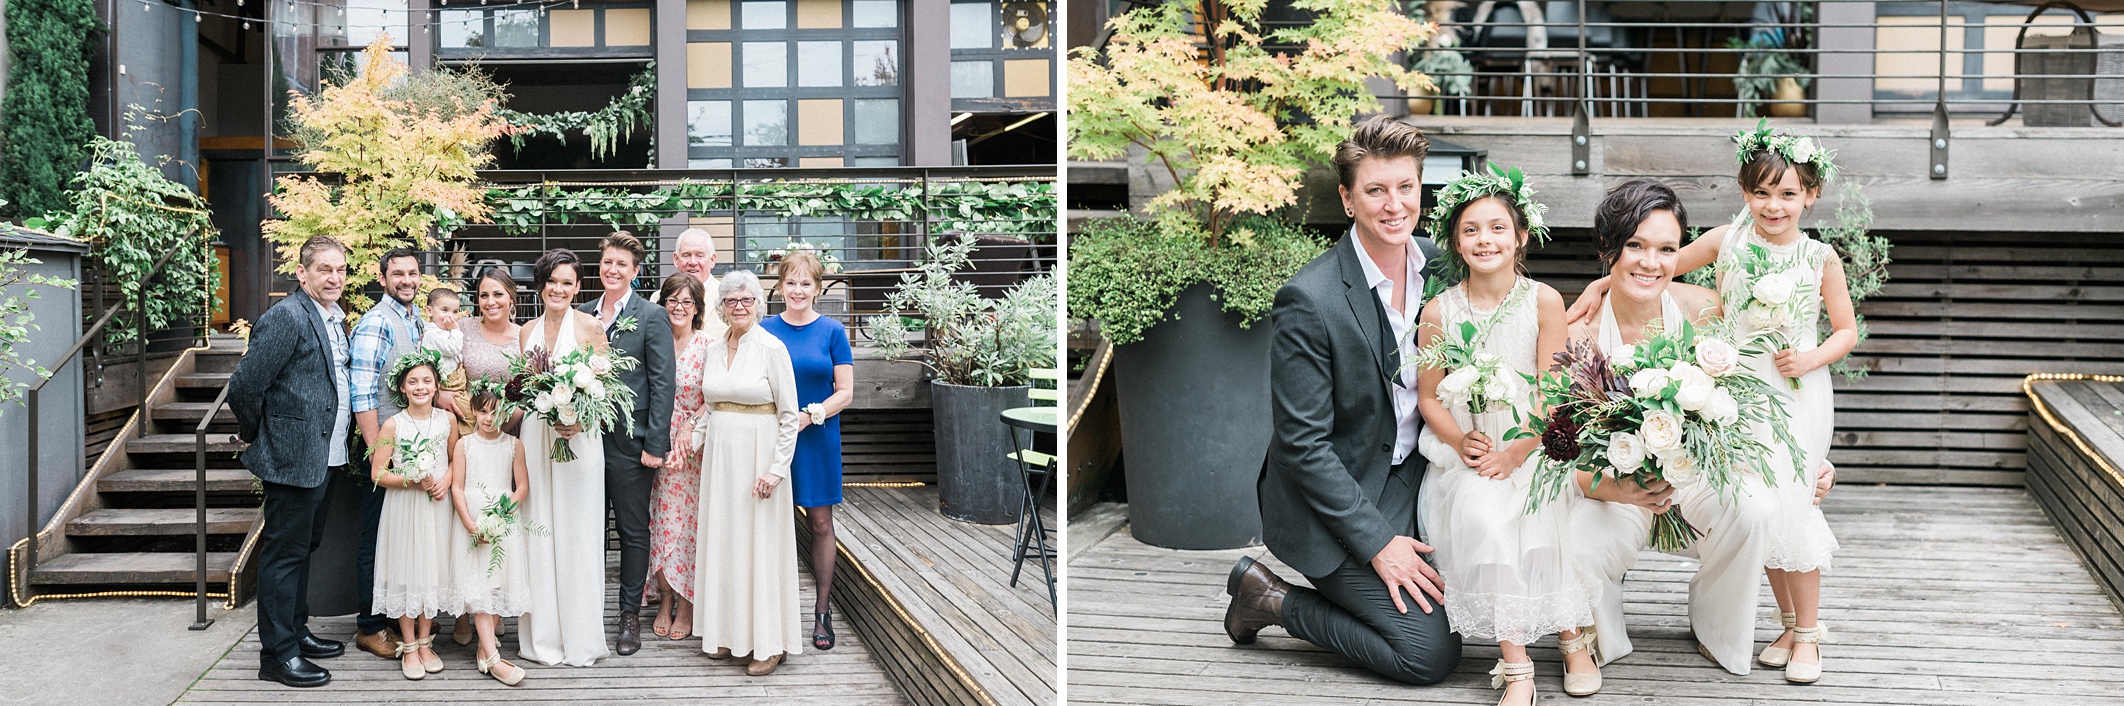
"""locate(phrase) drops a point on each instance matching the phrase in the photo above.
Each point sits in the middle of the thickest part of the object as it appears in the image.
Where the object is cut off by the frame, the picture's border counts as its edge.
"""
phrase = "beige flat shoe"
(1774, 656)
(1805, 672)
(1577, 684)
(764, 667)
(431, 664)
(501, 670)
(411, 668)
(1508, 672)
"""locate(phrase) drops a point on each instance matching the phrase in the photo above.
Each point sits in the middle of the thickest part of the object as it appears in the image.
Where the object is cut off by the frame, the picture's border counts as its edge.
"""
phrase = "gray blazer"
(284, 396)
(653, 379)
(1327, 490)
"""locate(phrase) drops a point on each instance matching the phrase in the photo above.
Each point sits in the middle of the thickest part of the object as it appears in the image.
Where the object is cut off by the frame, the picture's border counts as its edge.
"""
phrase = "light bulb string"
(198, 15)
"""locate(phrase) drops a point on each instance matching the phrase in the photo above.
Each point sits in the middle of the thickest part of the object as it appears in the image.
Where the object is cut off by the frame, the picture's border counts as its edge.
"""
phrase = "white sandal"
(1508, 672)
(1582, 684)
(1802, 672)
(1774, 656)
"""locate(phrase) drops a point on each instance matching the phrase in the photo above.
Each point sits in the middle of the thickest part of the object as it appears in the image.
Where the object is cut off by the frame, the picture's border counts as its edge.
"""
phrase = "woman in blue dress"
(825, 381)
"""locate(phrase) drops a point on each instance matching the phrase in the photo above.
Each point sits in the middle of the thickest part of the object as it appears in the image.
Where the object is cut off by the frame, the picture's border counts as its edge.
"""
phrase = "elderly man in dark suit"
(640, 330)
(291, 396)
(1338, 489)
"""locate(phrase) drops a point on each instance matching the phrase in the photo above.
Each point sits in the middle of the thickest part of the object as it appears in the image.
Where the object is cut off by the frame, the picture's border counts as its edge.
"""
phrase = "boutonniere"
(626, 323)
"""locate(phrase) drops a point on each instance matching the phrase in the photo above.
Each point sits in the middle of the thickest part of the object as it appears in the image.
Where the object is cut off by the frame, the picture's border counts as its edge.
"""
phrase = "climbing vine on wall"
(1015, 207)
(605, 126)
(46, 111)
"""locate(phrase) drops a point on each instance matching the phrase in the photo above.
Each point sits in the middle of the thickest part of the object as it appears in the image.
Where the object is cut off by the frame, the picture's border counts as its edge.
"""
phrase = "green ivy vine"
(46, 112)
(1018, 207)
(605, 126)
(131, 215)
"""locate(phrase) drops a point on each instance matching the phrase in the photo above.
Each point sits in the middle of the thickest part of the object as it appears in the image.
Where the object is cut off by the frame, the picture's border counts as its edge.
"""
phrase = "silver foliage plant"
(965, 339)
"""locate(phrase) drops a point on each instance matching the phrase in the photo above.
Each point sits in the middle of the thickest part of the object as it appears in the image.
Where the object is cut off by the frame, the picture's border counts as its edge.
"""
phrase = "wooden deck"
(663, 671)
(1940, 596)
(933, 594)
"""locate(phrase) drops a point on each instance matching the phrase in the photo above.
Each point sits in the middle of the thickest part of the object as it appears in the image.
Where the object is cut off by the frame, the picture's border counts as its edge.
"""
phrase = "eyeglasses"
(670, 303)
(745, 303)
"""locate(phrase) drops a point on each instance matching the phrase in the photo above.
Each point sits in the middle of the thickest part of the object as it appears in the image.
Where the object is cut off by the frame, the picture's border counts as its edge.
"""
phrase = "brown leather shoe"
(630, 633)
(763, 667)
(384, 643)
(1257, 600)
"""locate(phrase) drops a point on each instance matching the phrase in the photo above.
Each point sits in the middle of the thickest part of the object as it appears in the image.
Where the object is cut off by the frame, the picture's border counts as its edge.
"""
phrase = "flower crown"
(1470, 186)
(1795, 149)
(405, 364)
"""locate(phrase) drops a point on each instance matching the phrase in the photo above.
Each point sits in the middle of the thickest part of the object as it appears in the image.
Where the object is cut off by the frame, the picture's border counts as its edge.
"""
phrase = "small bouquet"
(581, 388)
(817, 411)
(1677, 408)
(773, 257)
(496, 521)
(1478, 382)
(1773, 295)
(417, 458)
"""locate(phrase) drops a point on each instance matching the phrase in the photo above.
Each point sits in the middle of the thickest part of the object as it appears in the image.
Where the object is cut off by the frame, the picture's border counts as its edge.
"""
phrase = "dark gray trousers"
(1349, 612)
(627, 487)
(293, 526)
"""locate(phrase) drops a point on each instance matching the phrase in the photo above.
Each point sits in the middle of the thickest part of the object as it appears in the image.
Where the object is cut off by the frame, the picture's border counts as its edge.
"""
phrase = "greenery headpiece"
(1470, 186)
(405, 364)
(1795, 149)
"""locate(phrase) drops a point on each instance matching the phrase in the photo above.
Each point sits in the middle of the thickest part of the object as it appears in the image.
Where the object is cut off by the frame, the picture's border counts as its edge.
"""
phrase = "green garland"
(605, 126)
(1019, 207)
(46, 111)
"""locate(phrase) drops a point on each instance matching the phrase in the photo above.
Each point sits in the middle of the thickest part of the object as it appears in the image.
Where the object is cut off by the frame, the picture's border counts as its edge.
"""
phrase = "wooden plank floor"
(663, 671)
(952, 579)
(1939, 596)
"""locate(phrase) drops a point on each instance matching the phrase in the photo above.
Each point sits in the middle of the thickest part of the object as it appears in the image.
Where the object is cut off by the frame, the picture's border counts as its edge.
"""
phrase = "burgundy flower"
(1560, 441)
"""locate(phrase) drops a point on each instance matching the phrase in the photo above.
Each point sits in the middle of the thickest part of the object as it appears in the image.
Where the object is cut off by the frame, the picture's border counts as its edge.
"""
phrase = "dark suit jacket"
(1325, 487)
(284, 397)
(653, 378)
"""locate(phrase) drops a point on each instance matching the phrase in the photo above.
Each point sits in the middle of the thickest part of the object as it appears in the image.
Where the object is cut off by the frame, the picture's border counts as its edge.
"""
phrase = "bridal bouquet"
(1677, 408)
(1475, 381)
(496, 521)
(418, 457)
(1773, 293)
(580, 388)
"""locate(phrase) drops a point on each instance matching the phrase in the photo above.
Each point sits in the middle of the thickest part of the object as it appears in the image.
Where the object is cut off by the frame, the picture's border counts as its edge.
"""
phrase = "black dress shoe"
(1257, 600)
(296, 672)
(630, 633)
(314, 647)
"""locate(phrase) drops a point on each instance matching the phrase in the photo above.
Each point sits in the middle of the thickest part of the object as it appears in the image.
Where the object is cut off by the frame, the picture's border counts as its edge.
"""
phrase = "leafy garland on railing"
(605, 126)
(1014, 207)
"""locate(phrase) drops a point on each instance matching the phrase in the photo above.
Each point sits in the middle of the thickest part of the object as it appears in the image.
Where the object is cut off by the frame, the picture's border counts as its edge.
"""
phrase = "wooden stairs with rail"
(128, 527)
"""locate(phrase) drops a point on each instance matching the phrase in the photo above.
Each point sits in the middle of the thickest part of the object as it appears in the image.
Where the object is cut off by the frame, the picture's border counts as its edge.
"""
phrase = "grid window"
(877, 121)
(766, 123)
(819, 64)
(766, 64)
(764, 14)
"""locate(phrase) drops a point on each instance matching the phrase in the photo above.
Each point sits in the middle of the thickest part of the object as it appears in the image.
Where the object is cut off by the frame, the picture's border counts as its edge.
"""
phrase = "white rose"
(1661, 432)
(1624, 354)
(600, 364)
(1649, 382)
(1534, 222)
(596, 389)
(1722, 409)
(1696, 387)
(1454, 388)
(1804, 150)
(1775, 289)
(1625, 452)
(583, 377)
(568, 416)
(1716, 357)
(1679, 468)
(544, 402)
(562, 393)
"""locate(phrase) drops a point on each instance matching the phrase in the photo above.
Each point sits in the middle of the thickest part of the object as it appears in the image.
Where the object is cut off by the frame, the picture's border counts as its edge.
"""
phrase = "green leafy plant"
(1776, 52)
(131, 215)
(969, 340)
(44, 121)
(1026, 208)
(1125, 272)
(18, 289)
(605, 126)
(1865, 257)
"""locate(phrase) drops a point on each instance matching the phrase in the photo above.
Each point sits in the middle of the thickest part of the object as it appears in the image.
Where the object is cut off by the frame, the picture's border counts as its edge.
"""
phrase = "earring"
(1346, 213)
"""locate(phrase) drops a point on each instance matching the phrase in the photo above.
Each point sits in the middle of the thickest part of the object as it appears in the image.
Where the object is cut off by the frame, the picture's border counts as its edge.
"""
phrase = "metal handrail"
(199, 467)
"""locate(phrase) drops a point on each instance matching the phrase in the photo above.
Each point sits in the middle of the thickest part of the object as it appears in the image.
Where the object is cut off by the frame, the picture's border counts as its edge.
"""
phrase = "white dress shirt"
(617, 307)
(335, 321)
(1407, 419)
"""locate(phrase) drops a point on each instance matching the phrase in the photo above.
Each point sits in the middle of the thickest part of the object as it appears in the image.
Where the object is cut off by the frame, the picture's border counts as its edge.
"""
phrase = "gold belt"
(744, 408)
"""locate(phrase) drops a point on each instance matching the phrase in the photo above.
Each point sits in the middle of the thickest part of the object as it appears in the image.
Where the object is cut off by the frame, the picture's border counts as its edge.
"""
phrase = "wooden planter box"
(2076, 467)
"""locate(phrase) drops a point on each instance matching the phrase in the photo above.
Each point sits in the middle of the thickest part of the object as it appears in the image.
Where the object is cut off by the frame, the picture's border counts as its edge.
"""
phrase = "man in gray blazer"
(291, 396)
(1338, 488)
(633, 455)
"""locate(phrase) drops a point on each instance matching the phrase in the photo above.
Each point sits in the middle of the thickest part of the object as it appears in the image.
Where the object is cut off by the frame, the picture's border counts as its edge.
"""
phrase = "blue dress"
(814, 349)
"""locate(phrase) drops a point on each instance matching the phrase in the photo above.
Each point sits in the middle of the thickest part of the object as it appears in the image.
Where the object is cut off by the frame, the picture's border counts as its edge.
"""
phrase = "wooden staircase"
(129, 527)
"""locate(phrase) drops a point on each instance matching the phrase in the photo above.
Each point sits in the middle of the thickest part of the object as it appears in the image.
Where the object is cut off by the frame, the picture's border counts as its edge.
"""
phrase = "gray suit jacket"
(1327, 490)
(653, 378)
(284, 397)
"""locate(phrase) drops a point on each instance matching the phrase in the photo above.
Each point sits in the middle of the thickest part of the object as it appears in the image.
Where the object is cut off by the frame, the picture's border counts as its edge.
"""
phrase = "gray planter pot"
(1195, 426)
(975, 480)
(335, 584)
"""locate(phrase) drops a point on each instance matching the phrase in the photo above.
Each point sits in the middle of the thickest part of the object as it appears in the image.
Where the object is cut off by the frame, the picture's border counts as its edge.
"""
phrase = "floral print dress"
(676, 500)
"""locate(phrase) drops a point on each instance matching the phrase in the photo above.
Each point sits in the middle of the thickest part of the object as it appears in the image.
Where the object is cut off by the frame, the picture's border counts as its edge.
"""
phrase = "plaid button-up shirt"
(377, 334)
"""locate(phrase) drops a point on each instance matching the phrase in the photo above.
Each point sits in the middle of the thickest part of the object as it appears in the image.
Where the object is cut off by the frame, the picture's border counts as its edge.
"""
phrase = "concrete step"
(132, 568)
(134, 522)
(175, 480)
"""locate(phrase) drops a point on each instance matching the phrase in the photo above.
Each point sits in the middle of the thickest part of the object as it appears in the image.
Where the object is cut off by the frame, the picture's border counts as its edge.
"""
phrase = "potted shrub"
(1441, 60)
(981, 353)
(1774, 68)
(1180, 290)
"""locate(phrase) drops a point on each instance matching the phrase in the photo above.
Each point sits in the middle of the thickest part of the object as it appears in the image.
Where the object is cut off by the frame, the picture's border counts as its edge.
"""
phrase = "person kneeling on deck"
(1338, 488)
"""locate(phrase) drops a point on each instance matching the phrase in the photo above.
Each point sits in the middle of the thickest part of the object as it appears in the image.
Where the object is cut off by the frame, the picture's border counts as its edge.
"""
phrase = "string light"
(339, 10)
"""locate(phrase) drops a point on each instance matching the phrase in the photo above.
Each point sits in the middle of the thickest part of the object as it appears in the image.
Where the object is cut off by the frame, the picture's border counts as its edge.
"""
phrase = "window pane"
(462, 28)
(876, 13)
(766, 64)
(515, 28)
(708, 123)
(971, 27)
(973, 79)
(876, 63)
(767, 123)
(877, 121)
(765, 14)
(818, 63)
(766, 162)
(367, 19)
(708, 163)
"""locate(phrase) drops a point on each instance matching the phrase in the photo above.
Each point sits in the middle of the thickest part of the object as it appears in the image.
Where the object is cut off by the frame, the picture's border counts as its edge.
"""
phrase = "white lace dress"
(490, 472)
(1800, 538)
(1509, 575)
(416, 538)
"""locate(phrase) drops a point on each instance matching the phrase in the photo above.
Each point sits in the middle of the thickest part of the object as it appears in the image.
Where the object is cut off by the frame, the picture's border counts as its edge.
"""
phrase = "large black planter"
(335, 584)
(1195, 426)
(975, 480)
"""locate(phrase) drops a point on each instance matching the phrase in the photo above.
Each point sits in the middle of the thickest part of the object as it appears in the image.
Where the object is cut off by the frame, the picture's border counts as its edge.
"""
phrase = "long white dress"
(1800, 538)
(490, 472)
(565, 622)
(745, 580)
(1509, 575)
(1724, 592)
(416, 570)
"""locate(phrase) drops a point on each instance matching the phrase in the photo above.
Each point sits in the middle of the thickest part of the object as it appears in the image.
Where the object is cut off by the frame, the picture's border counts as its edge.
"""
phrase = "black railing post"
(199, 467)
(29, 559)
